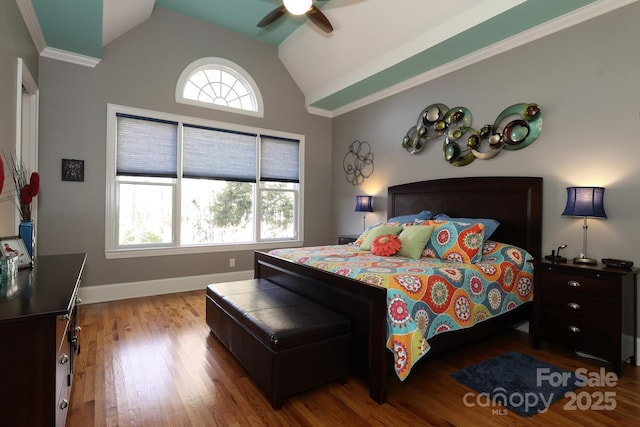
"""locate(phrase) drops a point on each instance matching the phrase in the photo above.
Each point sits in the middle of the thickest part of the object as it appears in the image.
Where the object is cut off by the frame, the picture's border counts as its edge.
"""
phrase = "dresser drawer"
(577, 285)
(62, 326)
(62, 406)
(63, 363)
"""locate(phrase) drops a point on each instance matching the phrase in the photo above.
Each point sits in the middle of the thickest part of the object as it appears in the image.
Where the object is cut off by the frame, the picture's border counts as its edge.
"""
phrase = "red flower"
(25, 187)
(25, 195)
(34, 183)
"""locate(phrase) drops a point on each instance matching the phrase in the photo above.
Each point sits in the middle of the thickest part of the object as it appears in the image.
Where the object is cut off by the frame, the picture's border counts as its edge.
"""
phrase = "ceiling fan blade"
(272, 16)
(319, 19)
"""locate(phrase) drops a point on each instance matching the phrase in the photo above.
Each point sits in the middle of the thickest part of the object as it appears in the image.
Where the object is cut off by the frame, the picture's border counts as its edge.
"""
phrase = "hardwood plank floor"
(152, 362)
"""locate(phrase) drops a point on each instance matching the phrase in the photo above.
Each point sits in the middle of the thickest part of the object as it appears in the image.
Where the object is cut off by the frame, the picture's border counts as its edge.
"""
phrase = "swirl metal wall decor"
(358, 162)
(515, 128)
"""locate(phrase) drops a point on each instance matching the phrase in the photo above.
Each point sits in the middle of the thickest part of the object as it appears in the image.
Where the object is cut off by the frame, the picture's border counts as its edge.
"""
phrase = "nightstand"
(345, 239)
(589, 308)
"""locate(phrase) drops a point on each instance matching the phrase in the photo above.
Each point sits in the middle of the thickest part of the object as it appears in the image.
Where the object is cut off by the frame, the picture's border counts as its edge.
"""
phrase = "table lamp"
(585, 202)
(364, 204)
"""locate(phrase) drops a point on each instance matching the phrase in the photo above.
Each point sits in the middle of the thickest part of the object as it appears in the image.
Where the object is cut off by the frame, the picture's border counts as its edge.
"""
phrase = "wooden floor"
(152, 362)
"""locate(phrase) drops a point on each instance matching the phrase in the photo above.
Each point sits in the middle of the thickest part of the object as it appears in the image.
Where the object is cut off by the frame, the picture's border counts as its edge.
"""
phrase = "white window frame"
(112, 250)
(232, 68)
(27, 116)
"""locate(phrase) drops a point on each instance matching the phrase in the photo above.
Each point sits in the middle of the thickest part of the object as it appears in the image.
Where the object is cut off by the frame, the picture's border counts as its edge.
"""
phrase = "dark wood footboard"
(363, 304)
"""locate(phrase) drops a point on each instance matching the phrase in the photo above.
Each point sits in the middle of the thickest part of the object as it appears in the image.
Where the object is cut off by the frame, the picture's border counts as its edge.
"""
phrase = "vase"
(26, 232)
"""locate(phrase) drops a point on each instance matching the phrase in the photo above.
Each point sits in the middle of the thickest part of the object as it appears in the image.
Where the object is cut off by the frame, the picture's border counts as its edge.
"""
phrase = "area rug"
(516, 381)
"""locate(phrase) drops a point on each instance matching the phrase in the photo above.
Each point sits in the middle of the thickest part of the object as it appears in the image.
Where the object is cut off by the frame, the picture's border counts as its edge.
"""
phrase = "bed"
(516, 202)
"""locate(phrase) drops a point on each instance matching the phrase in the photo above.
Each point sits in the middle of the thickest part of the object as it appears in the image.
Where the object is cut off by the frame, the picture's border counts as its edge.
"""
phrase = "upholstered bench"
(287, 343)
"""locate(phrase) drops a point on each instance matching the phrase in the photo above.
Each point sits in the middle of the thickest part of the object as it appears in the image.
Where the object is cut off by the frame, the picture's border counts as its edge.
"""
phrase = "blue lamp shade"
(585, 201)
(364, 204)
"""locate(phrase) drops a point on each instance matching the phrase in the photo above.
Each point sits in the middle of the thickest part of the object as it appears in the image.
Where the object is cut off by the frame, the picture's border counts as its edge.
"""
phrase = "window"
(179, 184)
(220, 84)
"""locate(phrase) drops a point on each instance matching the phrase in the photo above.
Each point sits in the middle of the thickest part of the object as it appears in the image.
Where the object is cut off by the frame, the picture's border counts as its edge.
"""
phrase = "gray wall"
(586, 80)
(15, 42)
(140, 69)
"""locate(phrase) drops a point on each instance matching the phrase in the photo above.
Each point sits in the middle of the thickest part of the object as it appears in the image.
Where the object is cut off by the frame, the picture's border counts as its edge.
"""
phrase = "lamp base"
(586, 261)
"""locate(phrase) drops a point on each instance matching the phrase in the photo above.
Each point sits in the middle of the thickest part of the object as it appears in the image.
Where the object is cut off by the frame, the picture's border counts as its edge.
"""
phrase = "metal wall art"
(358, 162)
(515, 128)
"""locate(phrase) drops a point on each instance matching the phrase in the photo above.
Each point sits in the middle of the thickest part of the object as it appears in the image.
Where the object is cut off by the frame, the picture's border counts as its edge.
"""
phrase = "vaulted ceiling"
(377, 48)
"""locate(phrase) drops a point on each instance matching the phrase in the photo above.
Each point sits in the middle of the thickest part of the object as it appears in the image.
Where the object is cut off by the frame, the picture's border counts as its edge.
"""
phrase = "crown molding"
(33, 25)
(66, 56)
(320, 112)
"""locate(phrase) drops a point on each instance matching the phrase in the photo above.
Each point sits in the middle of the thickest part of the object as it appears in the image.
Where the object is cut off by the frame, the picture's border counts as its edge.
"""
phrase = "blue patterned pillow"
(422, 216)
(455, 241)
(490, 225)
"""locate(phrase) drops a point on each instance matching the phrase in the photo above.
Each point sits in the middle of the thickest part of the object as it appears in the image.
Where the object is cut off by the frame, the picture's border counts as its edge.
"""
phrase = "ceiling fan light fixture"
(297, 7)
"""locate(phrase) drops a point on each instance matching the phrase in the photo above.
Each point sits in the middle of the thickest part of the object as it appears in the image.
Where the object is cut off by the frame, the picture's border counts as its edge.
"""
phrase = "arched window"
(219, 84)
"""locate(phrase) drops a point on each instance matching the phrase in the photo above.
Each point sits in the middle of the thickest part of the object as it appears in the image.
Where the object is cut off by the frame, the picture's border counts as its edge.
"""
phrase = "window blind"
(280, 159)
(218, 154)
(146, 147)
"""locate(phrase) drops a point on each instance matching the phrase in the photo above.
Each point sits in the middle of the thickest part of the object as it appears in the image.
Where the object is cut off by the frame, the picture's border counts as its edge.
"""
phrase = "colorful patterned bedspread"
(429, 296)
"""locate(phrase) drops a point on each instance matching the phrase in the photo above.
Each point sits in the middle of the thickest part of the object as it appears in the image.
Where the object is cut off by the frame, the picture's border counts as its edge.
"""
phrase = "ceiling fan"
(298, 7)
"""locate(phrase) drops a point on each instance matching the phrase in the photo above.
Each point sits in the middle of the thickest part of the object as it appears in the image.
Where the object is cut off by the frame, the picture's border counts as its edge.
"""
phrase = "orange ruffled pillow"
(386, 245)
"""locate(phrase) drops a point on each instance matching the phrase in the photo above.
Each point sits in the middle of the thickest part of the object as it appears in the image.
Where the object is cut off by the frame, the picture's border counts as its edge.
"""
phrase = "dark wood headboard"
(516, 202)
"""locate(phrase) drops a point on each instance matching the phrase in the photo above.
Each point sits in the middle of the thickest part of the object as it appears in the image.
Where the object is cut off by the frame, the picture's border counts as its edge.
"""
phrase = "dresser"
(589, 308)
(40, 340)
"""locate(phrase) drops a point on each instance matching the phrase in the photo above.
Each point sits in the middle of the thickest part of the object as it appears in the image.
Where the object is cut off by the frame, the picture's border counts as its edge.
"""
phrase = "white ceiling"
(371, 37)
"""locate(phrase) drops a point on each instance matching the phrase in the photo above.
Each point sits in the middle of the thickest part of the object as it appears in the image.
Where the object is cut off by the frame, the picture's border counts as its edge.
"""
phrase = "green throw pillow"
(414, 239)
(379, 231)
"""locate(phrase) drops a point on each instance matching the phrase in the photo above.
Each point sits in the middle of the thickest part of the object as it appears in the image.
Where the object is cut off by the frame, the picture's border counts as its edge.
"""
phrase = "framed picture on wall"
(14, 245)
(73, 170)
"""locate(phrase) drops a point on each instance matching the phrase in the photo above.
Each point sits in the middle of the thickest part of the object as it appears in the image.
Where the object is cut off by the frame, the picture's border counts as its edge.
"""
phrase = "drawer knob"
(78, 300)
(574, 306)
(573, 284)
(574, 329)
(64, 403)
(64, 359)
(78, 328)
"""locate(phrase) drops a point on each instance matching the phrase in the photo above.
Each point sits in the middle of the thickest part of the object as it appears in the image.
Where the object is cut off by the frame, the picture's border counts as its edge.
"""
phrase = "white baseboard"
(119, 291)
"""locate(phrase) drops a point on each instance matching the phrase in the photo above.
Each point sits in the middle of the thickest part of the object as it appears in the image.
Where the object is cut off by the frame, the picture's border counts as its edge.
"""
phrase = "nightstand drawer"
(577, 307)
(578, 285)
(590, 337)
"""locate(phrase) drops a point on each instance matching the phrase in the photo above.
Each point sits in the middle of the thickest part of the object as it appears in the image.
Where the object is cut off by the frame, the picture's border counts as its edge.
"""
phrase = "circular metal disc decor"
(451, 149)
(515, 128)
(519, 133)
(429, 126)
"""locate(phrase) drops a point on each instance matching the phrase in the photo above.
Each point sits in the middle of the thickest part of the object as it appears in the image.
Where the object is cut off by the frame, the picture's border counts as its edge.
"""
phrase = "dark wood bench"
(287, 343)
